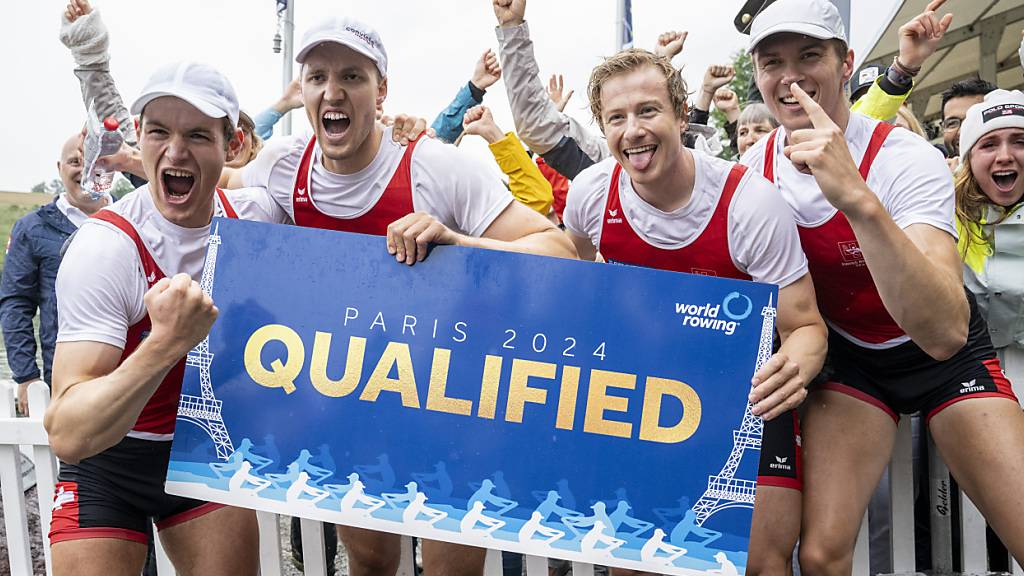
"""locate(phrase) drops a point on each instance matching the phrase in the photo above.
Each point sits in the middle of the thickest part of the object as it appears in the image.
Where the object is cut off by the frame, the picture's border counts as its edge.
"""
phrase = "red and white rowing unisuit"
(394, 203)
(461, 192)
(159, 413)
(732, 226)
(908, 176)
(115, 257)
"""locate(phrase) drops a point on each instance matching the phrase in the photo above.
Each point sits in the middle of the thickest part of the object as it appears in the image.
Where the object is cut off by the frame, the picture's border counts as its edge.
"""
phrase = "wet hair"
(969, 87)
(628, 61)
(756, 113)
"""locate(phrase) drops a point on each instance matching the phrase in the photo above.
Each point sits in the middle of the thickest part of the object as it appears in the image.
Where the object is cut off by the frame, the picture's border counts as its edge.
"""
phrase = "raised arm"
(917, 270)
(539, 123)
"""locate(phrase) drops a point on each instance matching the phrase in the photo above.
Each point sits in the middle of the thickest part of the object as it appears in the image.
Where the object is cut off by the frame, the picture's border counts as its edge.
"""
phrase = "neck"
(361, 158)
(674, 189)
(86, 204)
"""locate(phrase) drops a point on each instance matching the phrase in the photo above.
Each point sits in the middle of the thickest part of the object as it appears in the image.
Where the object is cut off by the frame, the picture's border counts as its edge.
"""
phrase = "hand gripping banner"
(575, 410)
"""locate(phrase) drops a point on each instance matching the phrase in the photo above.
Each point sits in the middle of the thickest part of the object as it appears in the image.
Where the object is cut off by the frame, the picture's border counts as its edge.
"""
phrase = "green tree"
(39, 188)
(744, 66)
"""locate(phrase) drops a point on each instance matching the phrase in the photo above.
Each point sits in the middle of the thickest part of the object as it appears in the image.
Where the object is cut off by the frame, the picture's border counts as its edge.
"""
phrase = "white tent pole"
(288, 41)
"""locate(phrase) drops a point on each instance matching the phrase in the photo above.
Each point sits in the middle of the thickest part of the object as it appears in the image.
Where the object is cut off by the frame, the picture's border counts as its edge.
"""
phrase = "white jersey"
(463, 193)
(762, 237)
(908, 175)
(101, 282)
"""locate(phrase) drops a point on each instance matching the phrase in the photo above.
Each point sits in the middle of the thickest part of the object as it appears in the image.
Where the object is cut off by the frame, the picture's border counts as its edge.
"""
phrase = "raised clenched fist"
(180, 314)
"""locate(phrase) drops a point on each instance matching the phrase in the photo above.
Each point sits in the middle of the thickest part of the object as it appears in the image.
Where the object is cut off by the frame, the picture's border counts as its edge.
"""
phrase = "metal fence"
(26, 436)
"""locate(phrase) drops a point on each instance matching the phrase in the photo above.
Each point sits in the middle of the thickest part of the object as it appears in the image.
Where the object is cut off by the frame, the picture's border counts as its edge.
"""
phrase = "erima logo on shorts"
(735, 307)
(971, 387)
(781, 463)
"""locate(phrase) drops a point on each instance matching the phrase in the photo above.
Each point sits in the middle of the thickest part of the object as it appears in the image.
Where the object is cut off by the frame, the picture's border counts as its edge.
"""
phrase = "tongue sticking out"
(641, 160)
(178, 185)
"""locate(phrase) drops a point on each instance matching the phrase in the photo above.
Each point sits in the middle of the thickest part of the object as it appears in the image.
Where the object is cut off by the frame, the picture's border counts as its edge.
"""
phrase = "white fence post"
(270, 543)
(13, 494)
(46, 468)
(901, 498)
(313, 562)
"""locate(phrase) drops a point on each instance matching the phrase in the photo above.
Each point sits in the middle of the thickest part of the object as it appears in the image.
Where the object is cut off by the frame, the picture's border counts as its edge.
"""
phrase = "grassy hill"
(14, 205)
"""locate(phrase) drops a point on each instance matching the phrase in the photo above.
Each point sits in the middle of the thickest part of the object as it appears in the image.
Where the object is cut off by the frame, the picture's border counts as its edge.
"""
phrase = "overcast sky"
(432, 47)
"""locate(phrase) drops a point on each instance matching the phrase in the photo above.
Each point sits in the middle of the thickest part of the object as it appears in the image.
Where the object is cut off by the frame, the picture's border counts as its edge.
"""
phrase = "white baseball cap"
(815, 18)
(1000, 109)
(347, 32)
(198, 84)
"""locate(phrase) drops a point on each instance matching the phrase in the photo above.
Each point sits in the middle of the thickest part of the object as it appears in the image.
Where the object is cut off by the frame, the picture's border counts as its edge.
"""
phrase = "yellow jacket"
(525, 181)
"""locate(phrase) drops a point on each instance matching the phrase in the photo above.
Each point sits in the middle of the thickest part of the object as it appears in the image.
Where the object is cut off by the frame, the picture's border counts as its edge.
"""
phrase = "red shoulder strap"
(733, 181)
(769, 156)
(612, 203)
(881, 132)
(149, 265)
(229, 211)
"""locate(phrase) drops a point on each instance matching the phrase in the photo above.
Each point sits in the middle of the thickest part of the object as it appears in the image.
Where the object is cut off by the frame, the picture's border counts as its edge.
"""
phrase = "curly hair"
(632, 59)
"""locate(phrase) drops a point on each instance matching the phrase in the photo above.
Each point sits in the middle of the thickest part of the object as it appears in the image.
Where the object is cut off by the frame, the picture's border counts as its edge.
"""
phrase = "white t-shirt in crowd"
(101, 282)
(763, 239)
(908, 175)
(462, 192)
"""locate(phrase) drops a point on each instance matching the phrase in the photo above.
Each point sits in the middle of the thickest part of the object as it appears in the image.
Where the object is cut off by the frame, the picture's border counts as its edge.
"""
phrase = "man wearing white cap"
(874, 207)
(129, 309)
(350, 175)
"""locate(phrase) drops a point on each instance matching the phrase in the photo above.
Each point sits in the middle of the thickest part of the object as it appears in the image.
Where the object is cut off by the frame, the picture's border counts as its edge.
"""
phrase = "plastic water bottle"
(100, 140)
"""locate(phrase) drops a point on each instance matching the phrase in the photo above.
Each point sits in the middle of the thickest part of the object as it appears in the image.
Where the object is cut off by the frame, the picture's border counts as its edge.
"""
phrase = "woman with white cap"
(989, 192)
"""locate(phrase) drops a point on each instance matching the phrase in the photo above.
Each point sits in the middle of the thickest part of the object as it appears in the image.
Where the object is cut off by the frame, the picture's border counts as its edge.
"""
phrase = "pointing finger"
(934, 5)
(819, 118)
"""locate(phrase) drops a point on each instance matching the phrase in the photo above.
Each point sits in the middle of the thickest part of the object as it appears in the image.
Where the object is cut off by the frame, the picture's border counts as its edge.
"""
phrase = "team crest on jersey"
(851, 253)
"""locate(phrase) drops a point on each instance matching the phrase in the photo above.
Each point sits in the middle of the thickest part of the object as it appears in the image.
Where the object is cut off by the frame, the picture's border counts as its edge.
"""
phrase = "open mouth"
(640, 157)
(1005, 180)
(335, 124)
(790, 101)
(177, 184)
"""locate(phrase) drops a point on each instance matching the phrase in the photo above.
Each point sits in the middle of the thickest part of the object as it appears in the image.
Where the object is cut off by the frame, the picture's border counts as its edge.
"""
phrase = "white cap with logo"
(347, 32)
(815, 18)
(198, 84)
(1000, 109)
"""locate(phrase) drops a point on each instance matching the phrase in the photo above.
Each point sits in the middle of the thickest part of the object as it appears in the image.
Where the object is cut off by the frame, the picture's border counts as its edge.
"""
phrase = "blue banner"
(551, 407)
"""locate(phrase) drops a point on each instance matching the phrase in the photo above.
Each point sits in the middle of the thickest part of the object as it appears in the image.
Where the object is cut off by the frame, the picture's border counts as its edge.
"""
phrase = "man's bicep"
(77, 362)
(938, 247)
(515, 222)
(798, 306)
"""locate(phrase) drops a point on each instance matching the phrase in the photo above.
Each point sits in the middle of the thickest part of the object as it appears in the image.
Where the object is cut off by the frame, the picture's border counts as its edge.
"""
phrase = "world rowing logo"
(736, 307)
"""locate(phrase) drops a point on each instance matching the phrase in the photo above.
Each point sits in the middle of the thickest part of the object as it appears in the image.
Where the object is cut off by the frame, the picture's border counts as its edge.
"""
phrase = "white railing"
(18, 435)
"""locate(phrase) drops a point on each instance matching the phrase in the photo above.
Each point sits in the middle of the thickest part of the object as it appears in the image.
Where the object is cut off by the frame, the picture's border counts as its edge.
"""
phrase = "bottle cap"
(111, 123)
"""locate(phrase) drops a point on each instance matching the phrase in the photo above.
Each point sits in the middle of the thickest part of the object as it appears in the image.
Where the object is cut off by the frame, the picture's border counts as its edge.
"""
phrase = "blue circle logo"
(736, 296)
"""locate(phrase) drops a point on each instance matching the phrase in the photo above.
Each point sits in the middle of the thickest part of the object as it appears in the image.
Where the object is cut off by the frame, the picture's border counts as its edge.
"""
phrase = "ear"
(234, 145)
(382, 92)
(848, 66)
(138, 128)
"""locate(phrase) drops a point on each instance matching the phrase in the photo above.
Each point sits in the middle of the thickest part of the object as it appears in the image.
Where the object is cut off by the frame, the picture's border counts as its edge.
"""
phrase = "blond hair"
(908, 116)
(628, 61)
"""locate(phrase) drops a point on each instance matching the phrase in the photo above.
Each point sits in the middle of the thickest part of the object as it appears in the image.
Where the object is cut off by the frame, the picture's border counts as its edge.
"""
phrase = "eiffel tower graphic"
(725, 490)
(204, 411)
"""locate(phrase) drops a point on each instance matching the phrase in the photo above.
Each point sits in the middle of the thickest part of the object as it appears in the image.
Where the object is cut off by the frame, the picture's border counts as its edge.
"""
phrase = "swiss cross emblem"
(851, 252)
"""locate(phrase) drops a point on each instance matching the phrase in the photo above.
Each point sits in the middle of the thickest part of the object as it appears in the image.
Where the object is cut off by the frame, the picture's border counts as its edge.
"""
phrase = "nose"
(634, 128)
(1004, 154)
(334, 91)
(791, 75)
(177, 148)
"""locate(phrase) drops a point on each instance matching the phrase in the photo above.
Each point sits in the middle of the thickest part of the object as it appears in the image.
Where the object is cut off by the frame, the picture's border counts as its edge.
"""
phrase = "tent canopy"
(982, 41)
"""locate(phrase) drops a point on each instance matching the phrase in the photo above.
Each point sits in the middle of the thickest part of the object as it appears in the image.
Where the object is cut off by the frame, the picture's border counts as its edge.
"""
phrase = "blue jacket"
(28, 282)
(448, 123)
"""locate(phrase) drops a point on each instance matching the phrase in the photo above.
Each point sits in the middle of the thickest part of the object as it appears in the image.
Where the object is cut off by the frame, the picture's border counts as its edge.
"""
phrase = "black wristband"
(895, 83)
(698, 116)
(475, 92)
